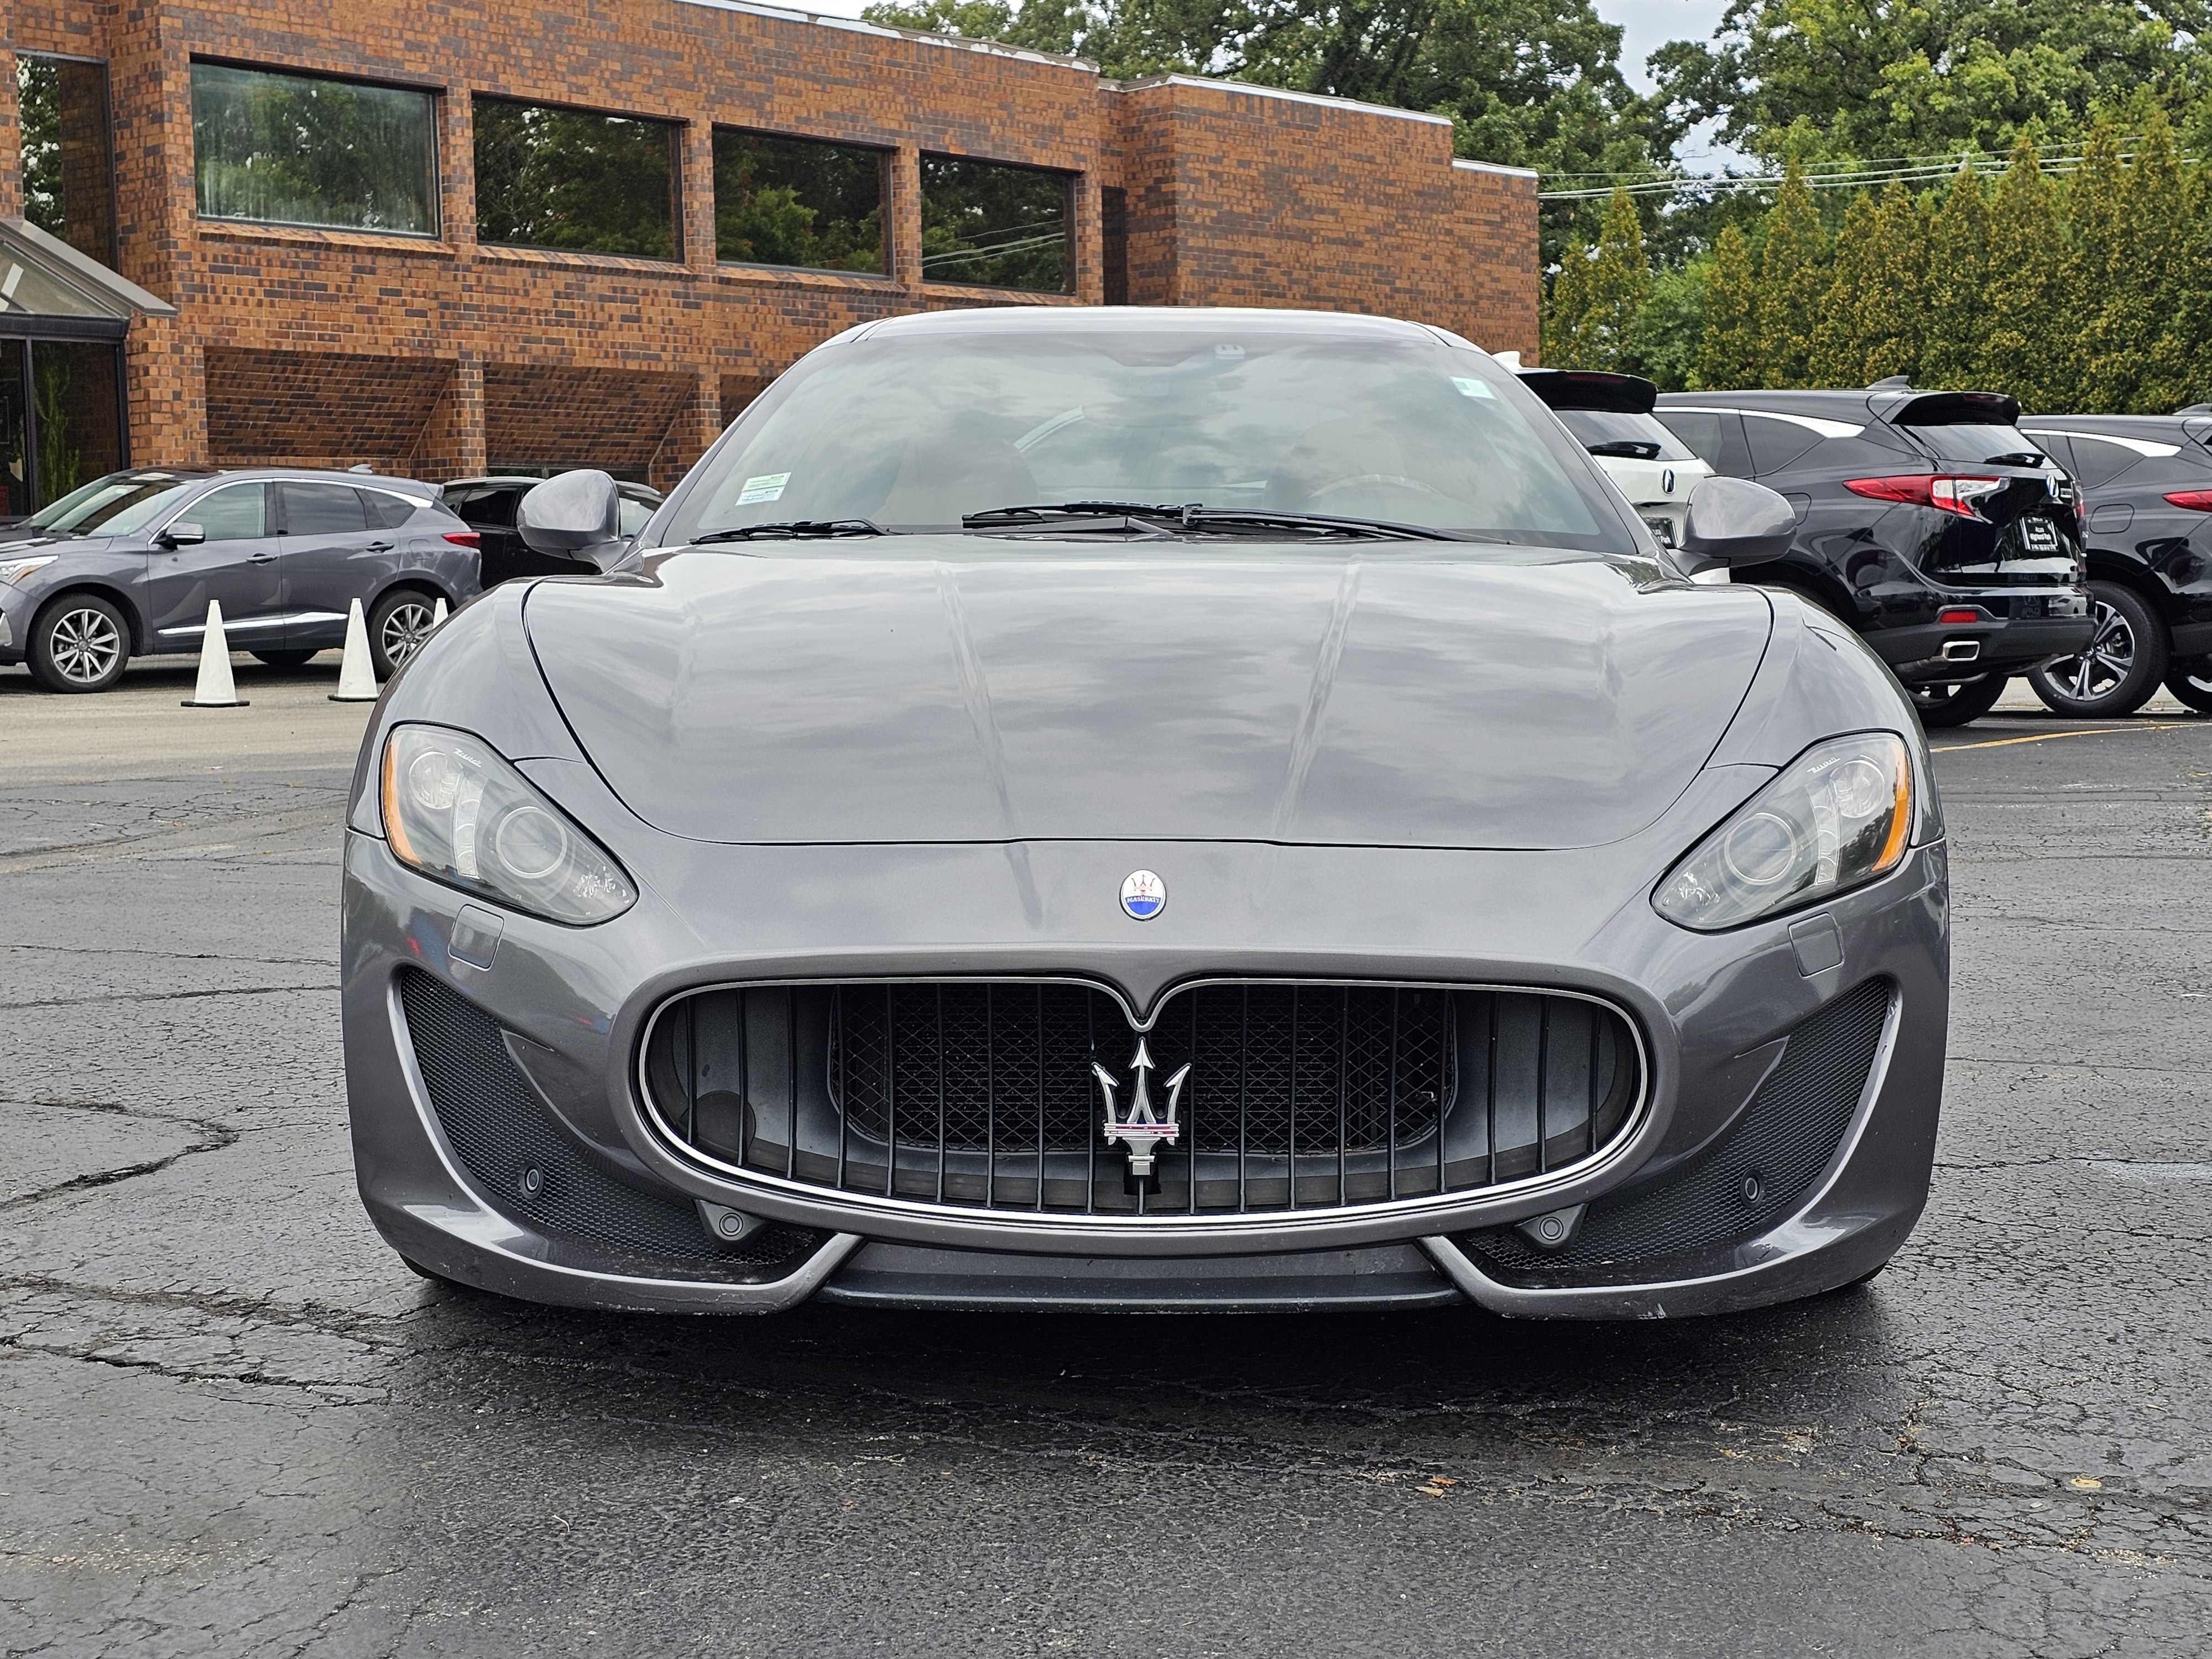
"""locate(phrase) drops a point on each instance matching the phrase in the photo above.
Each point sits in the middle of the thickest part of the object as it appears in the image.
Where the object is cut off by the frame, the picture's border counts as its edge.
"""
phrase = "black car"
(127, 565)
(1925, 520)
(2145, 482)
(488, 506)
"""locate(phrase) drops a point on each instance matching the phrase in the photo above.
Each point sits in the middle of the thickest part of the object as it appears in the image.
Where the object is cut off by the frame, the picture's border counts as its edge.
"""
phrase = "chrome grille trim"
(1001, 1199)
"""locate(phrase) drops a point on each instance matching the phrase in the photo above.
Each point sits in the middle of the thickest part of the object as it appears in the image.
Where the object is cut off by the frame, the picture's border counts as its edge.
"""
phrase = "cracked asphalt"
(232, 1423)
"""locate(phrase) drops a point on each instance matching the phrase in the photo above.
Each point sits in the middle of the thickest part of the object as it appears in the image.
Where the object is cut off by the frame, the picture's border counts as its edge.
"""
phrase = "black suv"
(488, 506)
(1925, 520)
(2145, 482)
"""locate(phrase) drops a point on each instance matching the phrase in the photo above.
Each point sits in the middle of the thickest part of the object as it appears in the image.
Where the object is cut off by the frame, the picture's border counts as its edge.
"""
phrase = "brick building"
(440, 240)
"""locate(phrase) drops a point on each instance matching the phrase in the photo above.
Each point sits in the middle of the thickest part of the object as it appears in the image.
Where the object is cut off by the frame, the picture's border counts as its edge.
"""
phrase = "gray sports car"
(1148, 809)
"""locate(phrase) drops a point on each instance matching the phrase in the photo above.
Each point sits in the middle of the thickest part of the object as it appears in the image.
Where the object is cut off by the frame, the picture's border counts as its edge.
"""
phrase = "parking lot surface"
(232, 1422)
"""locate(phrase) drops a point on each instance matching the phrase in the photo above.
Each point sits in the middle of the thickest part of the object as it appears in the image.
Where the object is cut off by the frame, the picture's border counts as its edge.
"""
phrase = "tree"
(1840, 340)
(1728, 350)
(2147, 376)
(1894, 318)
(1958, 276)
(1597, 298)
(2020, 348)
(1669, 327)
(2092, 236)
(1791, 282)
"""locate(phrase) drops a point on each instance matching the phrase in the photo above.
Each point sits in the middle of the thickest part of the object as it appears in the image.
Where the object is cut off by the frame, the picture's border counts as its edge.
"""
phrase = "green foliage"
(1664, 346)
(1792, 282)
(2020, 346)
(1839, 343)
(1596, 300)
(1893, 310)
(1958, 280)
(797, 202)
(298, 149)
(1728, 354)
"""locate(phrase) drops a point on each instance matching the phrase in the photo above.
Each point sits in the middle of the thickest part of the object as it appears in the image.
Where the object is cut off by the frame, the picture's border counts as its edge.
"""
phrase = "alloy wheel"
(85, 644)
(404, 630)
(2110, 659)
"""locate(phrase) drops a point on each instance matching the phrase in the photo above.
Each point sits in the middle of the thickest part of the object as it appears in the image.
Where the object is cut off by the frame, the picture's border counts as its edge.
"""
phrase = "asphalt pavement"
(232, 1422)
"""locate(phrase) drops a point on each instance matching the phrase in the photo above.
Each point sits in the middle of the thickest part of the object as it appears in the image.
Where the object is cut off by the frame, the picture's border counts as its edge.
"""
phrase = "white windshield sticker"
(768, 487)
(1471, 388)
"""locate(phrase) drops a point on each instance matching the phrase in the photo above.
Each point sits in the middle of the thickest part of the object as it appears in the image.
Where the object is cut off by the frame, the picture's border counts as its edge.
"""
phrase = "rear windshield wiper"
(1193, 516)
(794, 529)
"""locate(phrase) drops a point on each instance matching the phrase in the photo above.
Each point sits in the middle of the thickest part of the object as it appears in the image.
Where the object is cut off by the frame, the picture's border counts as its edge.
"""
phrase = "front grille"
(529, 1167)
(1296, 1095)
(1756, 1175)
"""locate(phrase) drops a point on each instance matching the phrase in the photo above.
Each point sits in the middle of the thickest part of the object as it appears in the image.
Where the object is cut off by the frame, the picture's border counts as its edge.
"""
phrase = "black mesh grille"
(496, 1125)
(1754, 1176)
(1291, 1095)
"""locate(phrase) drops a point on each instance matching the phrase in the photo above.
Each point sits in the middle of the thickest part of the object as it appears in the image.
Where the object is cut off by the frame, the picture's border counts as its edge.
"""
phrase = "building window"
(69, 175)
(299, 149)
(798, 202)
(573, 178)
(990, 225)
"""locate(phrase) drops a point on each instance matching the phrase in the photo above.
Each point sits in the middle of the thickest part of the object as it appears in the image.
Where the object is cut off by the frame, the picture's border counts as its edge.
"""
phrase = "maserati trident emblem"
(1143, 1129)
(1144, 896)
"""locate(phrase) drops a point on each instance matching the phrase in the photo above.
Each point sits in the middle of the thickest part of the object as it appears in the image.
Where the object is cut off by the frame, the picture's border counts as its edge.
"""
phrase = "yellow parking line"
(2046, 737)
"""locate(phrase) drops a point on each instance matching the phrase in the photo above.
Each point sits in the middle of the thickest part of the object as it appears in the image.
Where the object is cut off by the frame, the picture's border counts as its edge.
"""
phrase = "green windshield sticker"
(1471, 388)
(768, 487)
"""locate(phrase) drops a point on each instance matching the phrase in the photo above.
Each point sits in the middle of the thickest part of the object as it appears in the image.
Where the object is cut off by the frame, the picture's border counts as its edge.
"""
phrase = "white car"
(1611, 416)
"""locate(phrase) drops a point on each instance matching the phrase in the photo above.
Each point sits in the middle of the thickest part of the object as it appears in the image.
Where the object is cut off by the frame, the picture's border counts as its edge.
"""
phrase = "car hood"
(1436, 699)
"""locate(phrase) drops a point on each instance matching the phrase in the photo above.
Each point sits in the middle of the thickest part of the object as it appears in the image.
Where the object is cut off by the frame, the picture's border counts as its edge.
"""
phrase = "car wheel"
(2125, 660)
(397, 627)
(286, 659)
(2191, 682)
(1957, 703)
(79, 643)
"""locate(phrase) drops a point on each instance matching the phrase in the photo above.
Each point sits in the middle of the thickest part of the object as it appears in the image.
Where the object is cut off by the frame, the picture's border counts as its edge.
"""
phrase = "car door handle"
(262, 558)
(380, 547)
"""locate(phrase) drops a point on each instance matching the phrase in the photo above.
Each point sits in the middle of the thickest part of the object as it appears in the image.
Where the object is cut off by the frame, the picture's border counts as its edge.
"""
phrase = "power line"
(1980, 163)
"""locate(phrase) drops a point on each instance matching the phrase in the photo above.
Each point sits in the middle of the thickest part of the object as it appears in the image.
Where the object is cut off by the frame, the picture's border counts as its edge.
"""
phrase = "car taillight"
(464, 538)
(1950, 619)
(2197, 501)
(1942, 490)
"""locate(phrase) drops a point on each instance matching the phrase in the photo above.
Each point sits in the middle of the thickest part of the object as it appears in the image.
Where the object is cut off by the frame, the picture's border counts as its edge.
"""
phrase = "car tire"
(2122, 668)
(286, 659)
(1957, 703)
(2191, 682)
(397, 624)
(79, 642)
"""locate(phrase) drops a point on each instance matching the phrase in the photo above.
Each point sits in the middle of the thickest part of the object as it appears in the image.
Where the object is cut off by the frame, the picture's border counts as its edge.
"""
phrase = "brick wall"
(1234, 197)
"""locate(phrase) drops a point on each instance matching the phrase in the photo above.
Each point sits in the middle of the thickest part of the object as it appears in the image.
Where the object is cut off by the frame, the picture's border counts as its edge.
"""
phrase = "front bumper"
(571, 1005)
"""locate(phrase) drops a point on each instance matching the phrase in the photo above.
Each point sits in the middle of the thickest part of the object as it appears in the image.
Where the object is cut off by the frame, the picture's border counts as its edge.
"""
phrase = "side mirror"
(182, 534)
(1735, 521)
(570, 514)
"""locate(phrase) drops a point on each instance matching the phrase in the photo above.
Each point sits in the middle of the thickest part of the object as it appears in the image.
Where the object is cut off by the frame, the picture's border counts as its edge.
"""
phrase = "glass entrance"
(61, 419)
(15, 432)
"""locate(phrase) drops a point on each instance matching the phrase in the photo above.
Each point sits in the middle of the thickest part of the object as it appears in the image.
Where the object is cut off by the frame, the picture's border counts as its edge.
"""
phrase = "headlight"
(14, 570)
(1839, 815)
(460, 814)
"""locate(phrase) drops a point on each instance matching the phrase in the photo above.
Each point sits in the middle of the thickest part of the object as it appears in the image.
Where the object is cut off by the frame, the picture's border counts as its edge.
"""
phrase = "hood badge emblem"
(1143, 1130)
(1144, 896)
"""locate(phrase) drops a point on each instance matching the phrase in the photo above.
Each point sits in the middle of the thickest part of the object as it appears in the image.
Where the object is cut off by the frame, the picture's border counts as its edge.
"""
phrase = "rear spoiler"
(1958, 408)
(1592, 388)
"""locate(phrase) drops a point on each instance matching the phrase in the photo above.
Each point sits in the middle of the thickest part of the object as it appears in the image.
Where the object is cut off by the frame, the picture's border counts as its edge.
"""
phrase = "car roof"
(1840, 405)
(622, 485)
(2167, 427)
(1194, 320)
(327, 475)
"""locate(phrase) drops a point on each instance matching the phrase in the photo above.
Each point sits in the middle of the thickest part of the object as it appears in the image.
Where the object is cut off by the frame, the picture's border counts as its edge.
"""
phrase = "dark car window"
(2097, 461)
(1605, 426)
(387, 509)
(2059, 448)
(236, 512)
(321, 509)
(488, 506)
(1775, 442)
(916, 433)
(1712, 435)
(1979, 445)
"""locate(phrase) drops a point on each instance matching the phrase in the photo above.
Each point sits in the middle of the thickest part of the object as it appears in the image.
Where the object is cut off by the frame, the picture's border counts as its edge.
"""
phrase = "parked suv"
(128, 570)
(488, 506)
(1925, 520)
(2146, 484)
(1610, 416)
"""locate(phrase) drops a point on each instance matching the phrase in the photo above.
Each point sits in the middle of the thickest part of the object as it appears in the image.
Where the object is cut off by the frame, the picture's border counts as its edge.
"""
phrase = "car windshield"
(1604, 426)
(918, 433)
(93, 507)
(1980, 445)
(133, 516)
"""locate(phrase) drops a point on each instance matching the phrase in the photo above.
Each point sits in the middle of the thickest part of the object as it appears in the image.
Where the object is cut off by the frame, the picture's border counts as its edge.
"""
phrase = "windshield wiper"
(795, 529)
(1194, 516)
